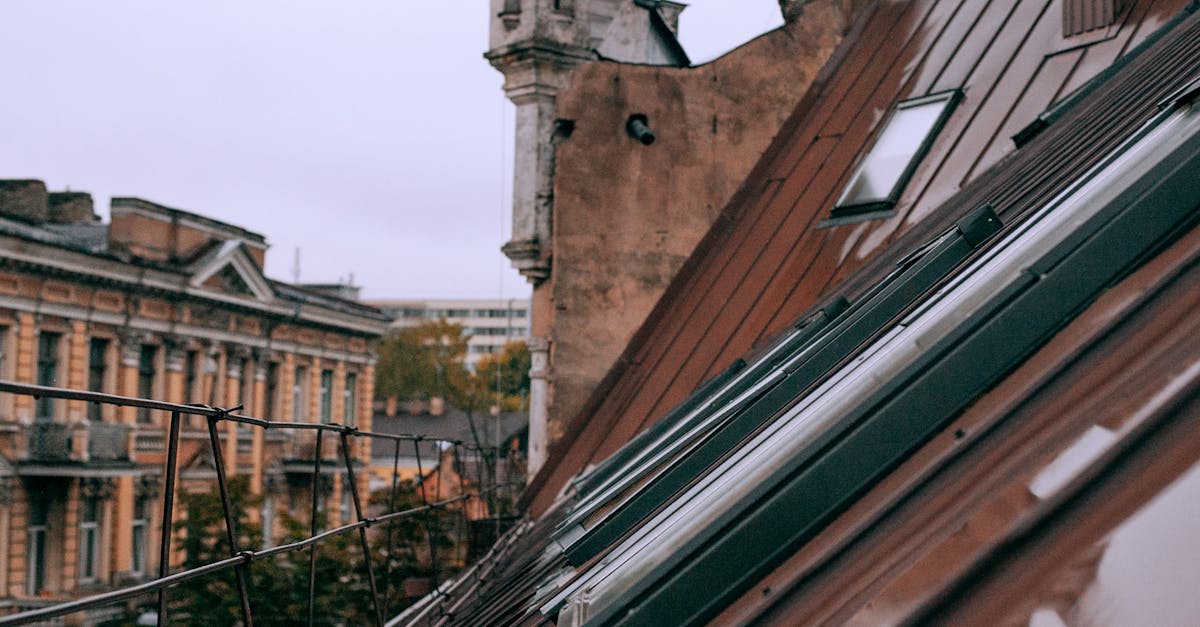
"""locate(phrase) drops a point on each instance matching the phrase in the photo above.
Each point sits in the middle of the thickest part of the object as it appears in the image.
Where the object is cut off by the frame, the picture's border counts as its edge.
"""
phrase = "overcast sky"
(369, 134)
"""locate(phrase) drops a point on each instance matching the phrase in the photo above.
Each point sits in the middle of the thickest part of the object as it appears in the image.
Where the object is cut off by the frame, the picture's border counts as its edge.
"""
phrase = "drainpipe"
(539, 387)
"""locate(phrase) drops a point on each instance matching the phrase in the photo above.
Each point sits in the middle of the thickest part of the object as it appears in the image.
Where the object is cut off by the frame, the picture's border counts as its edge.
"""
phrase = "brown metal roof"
(961, 506)
(768, 258)
(954, 502)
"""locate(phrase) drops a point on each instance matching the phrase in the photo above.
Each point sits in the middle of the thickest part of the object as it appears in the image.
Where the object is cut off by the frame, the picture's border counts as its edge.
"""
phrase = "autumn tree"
(422, 361)
(505, 375)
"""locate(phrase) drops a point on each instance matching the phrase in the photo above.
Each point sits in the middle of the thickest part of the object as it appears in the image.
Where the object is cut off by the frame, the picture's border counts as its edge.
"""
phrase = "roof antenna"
(296, 267)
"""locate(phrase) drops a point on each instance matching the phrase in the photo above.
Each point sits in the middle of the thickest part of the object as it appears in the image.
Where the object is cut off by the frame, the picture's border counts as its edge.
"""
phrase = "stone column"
(26, 365)
(175, 354)
(77, 368)
(337, 404)
(76, 379)
(235, 362)
(366, 398)
(6, 500)
(539, 387)
(127, 372)
(127, 385)
(314, 391)
(536, 45)
(287, 381)
(258, 408)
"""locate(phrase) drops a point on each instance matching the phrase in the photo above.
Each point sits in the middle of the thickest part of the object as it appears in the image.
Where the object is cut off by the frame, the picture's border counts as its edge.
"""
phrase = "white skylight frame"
(898, 149)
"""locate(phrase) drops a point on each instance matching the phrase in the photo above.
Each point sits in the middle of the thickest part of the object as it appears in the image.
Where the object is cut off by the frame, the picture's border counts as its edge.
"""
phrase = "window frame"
(48, 365)
(300, 393)
(89, 539)
(843, 210)
(139, 536)
(37, 544)
(350, 399)
(147, 379)
(325, 396)
(97, 368)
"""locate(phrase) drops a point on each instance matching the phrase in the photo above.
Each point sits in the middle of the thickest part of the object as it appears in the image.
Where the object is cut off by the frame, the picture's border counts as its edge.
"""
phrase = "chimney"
(25, 200)
(670, 14)
(791, 9)
(437, 406)
(152, 231)
(71, 208)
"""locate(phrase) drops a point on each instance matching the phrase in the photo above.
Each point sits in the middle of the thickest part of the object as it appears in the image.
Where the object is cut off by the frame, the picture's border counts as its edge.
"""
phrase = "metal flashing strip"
(1005, 306)
(701, 411)
(679, 417)
(915, 276)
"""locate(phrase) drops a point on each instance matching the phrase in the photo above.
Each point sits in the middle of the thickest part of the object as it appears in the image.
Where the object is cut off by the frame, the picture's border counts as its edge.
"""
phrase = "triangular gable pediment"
(230, 269)
(201, 460)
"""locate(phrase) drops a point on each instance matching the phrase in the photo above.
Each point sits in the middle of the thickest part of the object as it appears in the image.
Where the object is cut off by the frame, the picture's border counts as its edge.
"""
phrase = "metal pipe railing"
(240, 560)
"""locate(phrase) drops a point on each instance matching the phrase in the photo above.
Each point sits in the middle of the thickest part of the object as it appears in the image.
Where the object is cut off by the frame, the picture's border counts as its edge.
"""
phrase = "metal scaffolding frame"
(239, 559)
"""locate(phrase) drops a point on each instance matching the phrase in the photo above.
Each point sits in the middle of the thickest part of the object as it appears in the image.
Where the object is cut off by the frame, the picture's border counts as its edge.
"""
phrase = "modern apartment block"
(169, 305)
(491, 323)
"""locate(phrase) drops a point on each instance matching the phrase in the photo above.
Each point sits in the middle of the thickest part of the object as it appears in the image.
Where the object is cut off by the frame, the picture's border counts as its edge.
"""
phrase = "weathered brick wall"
(627, 215)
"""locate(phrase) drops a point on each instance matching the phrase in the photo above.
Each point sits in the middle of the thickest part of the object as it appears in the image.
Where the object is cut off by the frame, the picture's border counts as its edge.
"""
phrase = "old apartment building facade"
(580, 74)
(164, 304)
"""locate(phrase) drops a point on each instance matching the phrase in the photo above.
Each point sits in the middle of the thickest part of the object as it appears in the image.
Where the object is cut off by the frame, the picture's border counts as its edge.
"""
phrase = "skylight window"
(882, 175)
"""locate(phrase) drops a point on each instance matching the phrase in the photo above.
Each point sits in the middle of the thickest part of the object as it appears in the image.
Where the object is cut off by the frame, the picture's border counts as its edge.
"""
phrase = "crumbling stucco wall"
(627, 215)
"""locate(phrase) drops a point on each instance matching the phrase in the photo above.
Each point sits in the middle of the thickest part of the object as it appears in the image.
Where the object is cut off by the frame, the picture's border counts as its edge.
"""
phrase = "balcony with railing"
(84, 447)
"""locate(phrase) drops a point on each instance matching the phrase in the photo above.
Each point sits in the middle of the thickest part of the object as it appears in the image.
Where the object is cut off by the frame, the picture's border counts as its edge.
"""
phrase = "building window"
(141, 521)
(89, 539)
(300, 394)
(347, 502)
(325, 398)
(904, 140)
(272, 390)
(97, 373)
(350, 395)
(268, 521)
(47, 373)
(190, 376)
(146, 379)
(35, 573)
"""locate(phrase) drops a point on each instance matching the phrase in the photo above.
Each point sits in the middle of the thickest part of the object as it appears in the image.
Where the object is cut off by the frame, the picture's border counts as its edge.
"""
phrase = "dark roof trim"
(1056, 110)
(602, 473)
(865, 444)
(915, 276)
(714, 402)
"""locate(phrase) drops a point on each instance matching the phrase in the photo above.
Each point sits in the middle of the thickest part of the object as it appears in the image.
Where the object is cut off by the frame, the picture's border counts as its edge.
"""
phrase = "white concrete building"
(491, 322)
